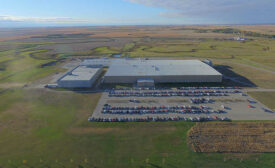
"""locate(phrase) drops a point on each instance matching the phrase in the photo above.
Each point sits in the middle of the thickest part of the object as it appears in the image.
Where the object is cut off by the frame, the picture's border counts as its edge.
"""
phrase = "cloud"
(184, 8)
(41, 20)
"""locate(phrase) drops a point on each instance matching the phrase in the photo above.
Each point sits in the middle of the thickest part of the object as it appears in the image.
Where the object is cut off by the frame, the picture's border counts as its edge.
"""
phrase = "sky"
(29, 13)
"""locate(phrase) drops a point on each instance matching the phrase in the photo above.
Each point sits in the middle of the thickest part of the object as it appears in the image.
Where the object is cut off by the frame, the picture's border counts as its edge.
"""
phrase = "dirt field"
(247, 137)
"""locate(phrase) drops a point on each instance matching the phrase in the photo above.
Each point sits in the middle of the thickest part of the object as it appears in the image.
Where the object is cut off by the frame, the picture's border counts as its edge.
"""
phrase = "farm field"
(39, 53)
(55, 133)
(247, 137)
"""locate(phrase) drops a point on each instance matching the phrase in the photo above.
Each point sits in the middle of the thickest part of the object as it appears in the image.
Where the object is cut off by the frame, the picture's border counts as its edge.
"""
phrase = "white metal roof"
(159, 68)
(81, 73)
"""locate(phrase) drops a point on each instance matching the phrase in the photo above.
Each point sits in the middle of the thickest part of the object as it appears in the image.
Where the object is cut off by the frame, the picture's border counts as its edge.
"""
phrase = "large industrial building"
(143, 73)
(160, 71)
(80, 77)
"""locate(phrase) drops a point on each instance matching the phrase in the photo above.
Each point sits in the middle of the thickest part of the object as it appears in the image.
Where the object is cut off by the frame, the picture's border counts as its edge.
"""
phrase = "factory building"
(82, 76)
(144, 72)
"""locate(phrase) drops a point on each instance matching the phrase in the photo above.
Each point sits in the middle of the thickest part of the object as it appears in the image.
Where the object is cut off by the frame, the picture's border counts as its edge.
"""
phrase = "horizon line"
(131, 25)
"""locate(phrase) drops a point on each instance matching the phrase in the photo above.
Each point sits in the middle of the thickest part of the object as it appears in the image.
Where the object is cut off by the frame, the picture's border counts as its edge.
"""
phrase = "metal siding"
(165, 79)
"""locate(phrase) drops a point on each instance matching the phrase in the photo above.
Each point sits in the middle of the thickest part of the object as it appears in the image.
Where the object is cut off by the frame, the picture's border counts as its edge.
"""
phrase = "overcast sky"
(22, 13)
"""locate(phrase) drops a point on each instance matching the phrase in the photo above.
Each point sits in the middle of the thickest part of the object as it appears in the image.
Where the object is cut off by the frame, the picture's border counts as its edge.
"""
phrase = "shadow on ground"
(231, 78)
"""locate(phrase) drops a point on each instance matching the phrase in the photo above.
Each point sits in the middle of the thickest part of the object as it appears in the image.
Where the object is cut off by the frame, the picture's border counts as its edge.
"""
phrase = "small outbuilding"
(80, 77)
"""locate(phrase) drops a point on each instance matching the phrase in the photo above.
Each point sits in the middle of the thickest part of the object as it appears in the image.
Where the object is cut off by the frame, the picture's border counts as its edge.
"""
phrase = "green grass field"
(267, 98)
(107, 51)
(21, 63)
(19, 67)
(45, 129)
(256, 50)
(247, 74)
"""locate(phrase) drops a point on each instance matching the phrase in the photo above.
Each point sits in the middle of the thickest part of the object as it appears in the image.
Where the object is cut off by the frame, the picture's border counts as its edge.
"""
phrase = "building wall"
(164, 79)
(74, 84)
(79, 83)
(145, 84)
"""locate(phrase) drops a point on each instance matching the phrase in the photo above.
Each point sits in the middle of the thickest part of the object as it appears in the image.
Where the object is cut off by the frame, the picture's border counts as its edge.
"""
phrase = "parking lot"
(192, 104)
